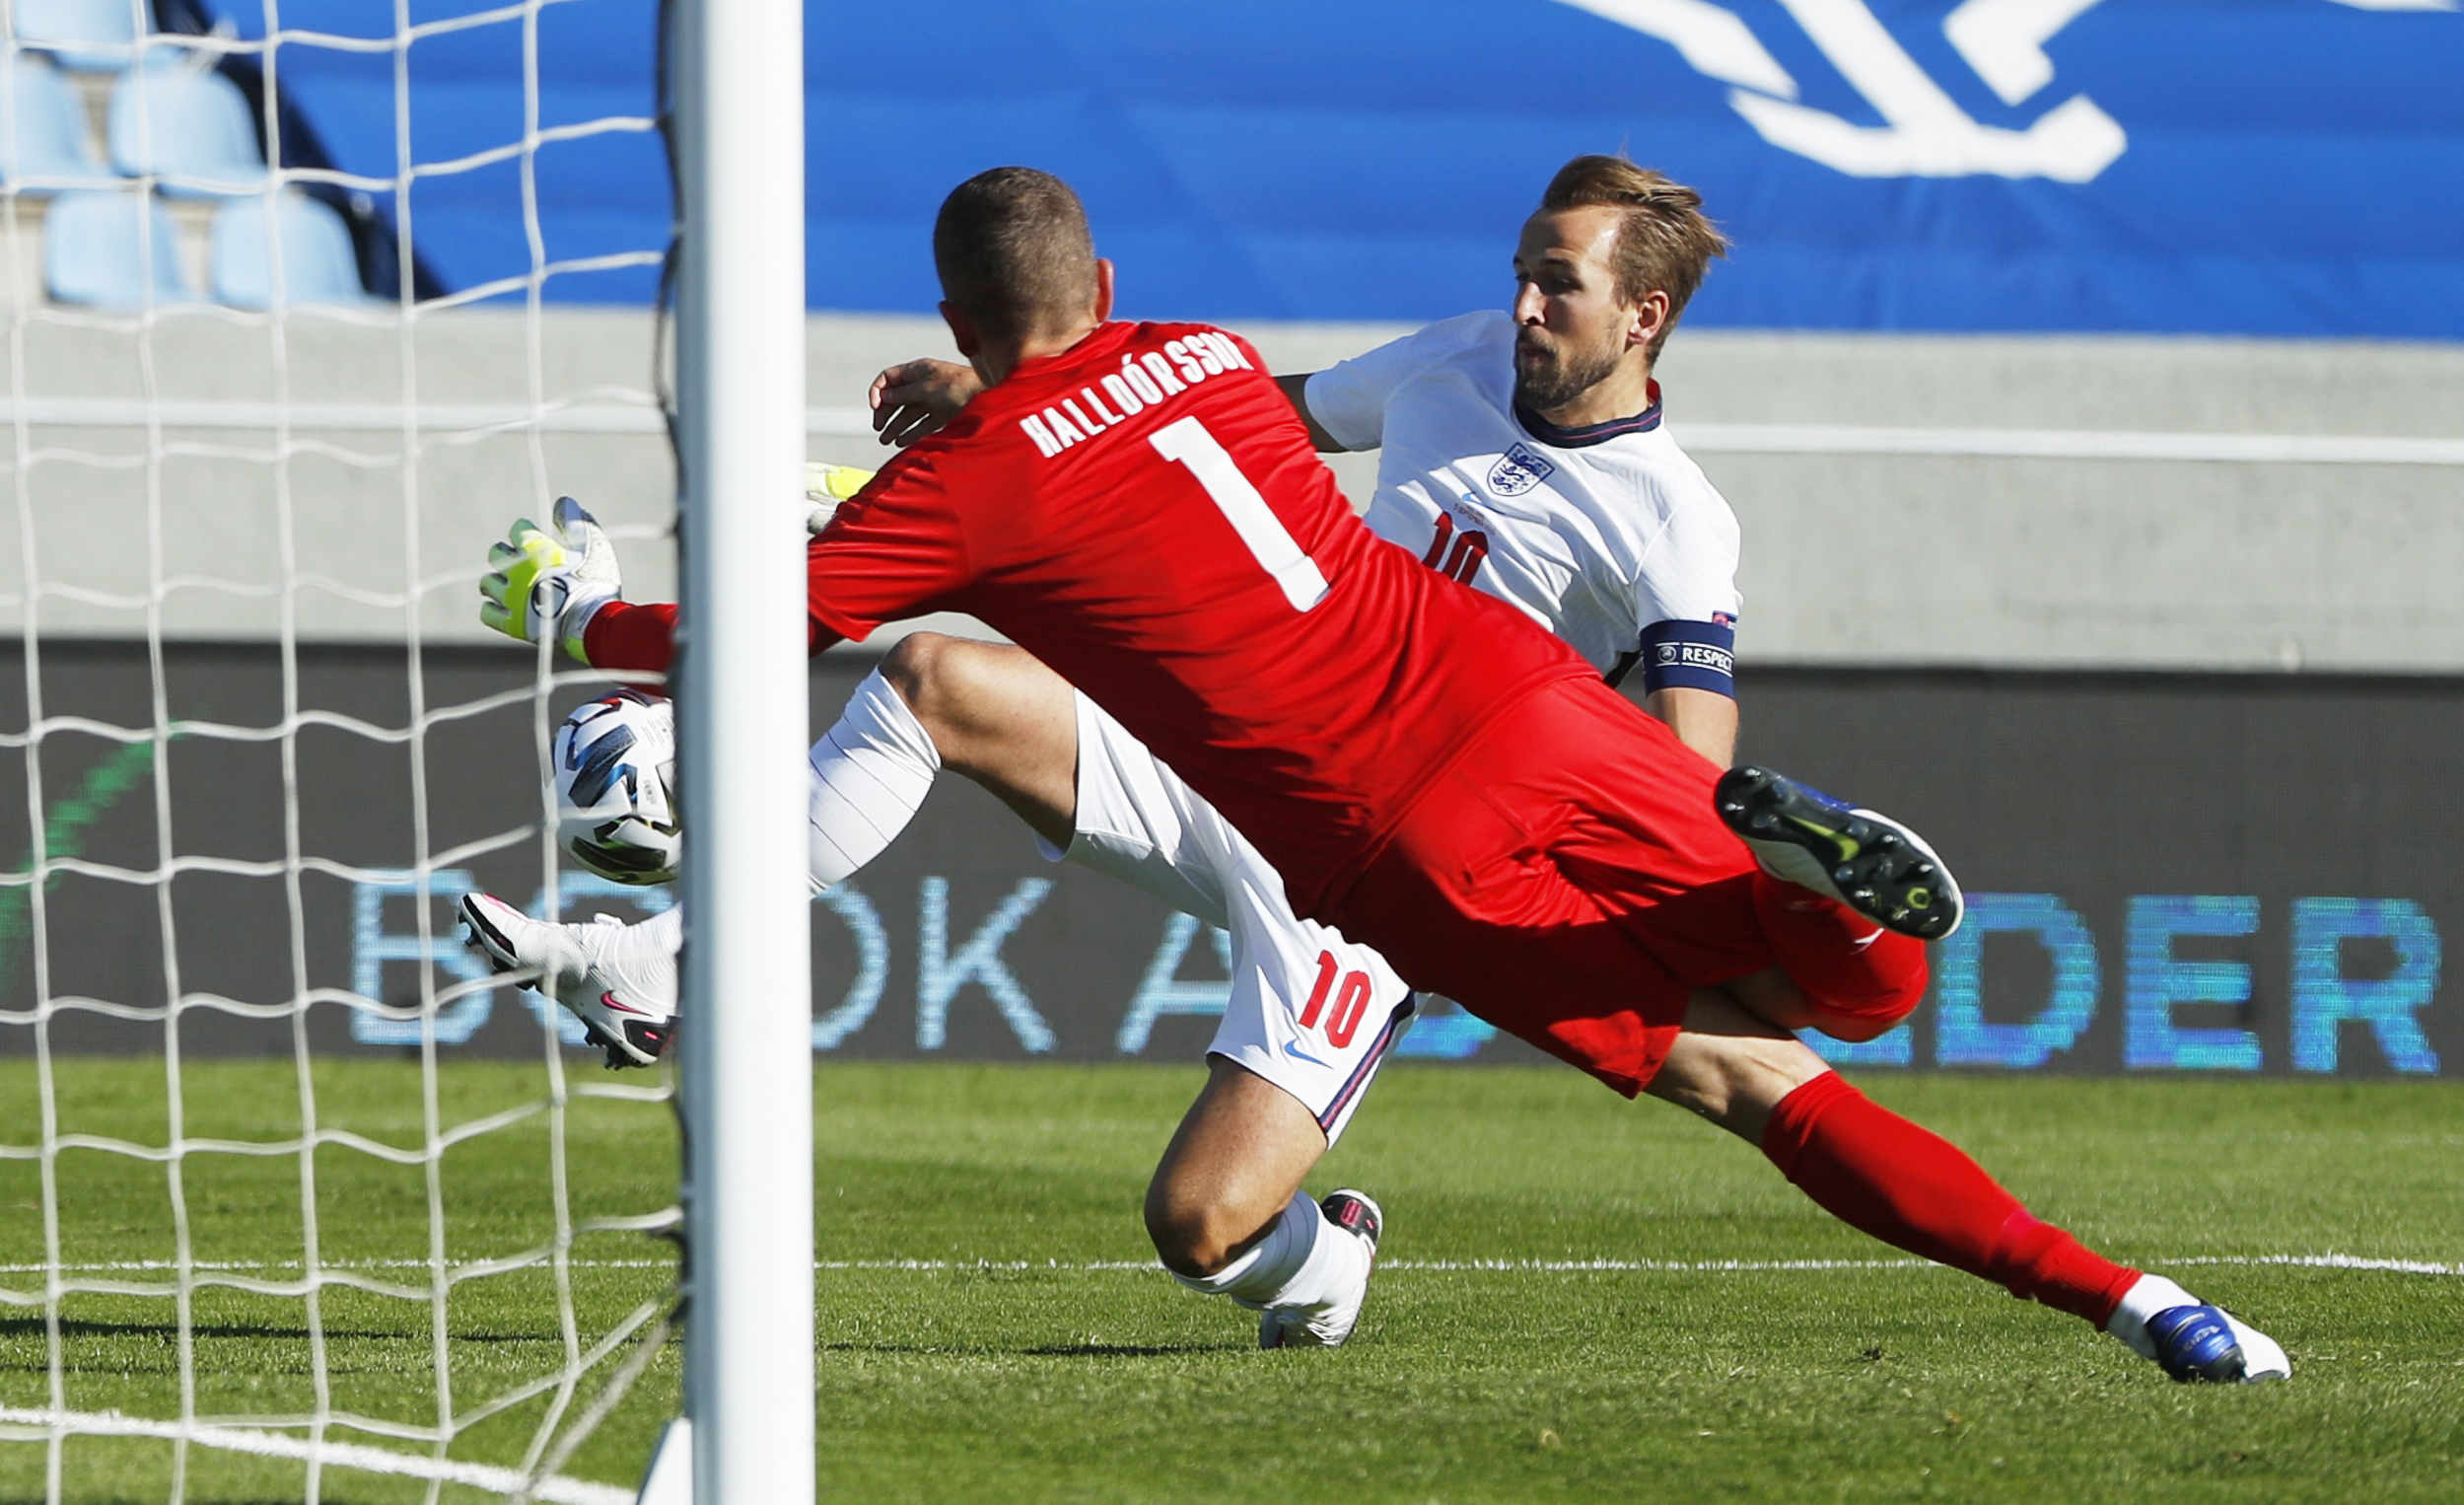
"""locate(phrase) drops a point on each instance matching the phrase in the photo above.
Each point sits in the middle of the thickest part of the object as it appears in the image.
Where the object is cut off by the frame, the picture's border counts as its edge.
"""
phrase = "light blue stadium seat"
(173, 120)
(318, 264)
(89, 36)
(95, 250)
(50, 148)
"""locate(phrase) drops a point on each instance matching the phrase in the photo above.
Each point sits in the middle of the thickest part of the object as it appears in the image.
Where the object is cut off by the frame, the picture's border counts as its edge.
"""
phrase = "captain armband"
(1682, 655)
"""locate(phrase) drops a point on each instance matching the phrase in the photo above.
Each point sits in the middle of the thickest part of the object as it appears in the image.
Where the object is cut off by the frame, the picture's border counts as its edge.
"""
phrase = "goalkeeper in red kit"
(1140, 507)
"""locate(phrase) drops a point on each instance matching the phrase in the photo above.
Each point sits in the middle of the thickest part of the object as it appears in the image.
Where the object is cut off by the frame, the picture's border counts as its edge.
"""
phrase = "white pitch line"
(1661, 1267)
(564, 1491)
(2326, 1262)
(331, 1455)
(241, 1267)
(2331, 1262)
(1664, 1266)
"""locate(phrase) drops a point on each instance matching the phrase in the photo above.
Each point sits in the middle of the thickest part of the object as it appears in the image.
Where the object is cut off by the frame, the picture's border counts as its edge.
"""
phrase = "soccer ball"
(615, 788)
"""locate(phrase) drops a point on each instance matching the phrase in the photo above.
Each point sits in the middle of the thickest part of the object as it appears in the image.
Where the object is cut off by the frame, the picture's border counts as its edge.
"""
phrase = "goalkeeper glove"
(827, 485)
(547, 585)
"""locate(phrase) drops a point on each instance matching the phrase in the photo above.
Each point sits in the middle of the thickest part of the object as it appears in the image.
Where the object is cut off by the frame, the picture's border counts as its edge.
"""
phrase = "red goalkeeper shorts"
(1567, 880)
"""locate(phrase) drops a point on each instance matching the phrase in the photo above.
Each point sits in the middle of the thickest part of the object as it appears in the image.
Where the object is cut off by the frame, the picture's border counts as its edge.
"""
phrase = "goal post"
(737, 72)
(304, 303)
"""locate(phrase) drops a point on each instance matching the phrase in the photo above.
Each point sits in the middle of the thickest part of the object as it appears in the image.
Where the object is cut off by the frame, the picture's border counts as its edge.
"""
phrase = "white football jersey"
(1600, 534)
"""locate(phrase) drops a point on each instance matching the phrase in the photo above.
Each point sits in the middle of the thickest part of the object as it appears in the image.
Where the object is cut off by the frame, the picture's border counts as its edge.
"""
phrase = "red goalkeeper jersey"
(1144, 513)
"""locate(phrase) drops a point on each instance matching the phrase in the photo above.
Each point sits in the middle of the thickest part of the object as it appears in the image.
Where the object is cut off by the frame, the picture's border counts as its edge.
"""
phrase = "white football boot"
(1327, 1326)
(2194, 1342)
(618, 979)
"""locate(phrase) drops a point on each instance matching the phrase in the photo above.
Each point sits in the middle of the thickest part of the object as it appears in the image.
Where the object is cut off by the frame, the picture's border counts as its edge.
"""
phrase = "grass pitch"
(991, 1329)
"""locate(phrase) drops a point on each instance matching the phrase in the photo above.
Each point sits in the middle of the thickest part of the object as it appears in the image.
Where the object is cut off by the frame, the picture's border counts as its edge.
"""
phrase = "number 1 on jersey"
(1186, 442)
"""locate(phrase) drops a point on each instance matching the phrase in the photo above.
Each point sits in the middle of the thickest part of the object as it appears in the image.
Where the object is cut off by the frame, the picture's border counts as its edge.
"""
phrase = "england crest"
(1518, 471)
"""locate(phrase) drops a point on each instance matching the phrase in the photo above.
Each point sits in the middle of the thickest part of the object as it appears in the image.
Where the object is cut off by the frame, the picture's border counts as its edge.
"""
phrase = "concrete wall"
(1996, 502)
(110, 522)
(2003, 559)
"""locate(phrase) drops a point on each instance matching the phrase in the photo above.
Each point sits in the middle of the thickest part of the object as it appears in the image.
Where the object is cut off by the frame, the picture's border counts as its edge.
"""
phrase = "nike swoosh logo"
(1297, 1054)
(611, 1001)
(1868, 940)
(1847, 844)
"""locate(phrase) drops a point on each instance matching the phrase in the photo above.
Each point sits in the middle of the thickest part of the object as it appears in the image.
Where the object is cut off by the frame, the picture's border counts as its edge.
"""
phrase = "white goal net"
(306, 300)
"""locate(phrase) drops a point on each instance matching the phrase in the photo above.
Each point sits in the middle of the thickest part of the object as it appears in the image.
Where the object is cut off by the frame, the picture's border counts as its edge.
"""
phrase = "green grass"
(252, 1353)
(1007, 1369)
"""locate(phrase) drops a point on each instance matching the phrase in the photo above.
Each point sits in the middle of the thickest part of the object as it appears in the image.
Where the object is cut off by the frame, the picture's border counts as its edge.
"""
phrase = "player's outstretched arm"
(547, 584)
(1295, 389)
(916, 397)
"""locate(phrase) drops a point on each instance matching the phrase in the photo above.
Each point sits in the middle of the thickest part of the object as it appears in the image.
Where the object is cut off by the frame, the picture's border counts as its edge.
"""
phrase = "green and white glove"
(545, 585)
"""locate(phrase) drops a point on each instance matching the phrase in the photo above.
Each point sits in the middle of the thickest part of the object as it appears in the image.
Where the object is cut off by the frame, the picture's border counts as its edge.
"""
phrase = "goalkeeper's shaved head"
(1014, 255)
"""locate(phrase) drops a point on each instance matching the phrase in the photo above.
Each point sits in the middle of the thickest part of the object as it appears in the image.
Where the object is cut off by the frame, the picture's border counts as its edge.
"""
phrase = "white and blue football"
(615, 788)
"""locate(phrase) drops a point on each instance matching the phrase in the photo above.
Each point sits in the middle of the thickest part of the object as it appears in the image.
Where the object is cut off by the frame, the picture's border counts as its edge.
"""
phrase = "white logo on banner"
(1926, 134)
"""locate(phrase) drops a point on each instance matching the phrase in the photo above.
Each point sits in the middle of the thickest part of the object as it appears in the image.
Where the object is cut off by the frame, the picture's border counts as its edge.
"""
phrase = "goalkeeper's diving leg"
(1879, 1172)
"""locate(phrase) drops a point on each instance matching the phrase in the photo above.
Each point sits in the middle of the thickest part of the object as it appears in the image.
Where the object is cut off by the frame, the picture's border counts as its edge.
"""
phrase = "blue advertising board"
(2236, 167)
(2218, 873)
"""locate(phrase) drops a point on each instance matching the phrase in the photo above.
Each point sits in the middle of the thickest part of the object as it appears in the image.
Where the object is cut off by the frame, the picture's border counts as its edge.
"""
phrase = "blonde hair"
(1665, 241)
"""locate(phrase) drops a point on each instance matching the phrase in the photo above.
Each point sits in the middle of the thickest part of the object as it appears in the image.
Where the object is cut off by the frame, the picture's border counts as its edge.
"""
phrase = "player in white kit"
(1524, 453)
(1608, 536)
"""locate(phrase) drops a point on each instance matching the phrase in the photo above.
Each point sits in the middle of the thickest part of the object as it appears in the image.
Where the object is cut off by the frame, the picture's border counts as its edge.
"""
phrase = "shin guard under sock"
(1876, 1171)
(871, 774)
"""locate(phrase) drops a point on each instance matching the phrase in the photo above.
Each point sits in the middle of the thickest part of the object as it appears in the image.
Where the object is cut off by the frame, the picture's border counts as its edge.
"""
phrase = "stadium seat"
(89, 36)
(96, 248)
(189, 127)
(50, 148)
(318, 264)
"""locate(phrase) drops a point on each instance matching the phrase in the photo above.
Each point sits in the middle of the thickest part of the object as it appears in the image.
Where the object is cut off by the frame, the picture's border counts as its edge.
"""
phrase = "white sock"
(1303, 1265)
(871, 774)
(2142, 1301)
(667, 927)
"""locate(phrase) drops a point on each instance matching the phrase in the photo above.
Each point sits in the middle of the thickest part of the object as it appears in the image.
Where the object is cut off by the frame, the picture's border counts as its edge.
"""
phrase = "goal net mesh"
(306, 300)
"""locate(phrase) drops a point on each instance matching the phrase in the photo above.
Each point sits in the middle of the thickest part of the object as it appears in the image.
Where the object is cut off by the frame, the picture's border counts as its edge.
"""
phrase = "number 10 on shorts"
(1350, 1001)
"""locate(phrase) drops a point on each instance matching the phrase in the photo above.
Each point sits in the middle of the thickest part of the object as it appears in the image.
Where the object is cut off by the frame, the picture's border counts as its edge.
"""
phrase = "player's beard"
(1550, 372)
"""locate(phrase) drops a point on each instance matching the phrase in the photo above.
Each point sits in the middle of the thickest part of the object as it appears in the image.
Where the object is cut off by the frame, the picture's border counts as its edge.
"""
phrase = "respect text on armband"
(1145, 379)
(1690, 655)
(1702, 656)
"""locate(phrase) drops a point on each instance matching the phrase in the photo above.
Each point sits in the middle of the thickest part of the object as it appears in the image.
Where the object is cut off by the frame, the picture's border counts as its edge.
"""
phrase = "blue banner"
(2246, 167)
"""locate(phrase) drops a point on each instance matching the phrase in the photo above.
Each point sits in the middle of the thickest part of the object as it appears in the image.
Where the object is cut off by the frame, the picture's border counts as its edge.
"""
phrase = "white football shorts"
(1309, 1011)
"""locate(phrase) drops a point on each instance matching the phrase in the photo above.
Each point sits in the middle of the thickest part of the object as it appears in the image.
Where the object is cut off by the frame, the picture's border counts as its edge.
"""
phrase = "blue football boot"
(2208, 1344)
(1865, 860)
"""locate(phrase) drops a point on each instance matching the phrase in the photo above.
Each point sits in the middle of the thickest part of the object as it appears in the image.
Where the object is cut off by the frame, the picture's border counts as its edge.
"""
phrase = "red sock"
(1837, 958)
(1876, 1171)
